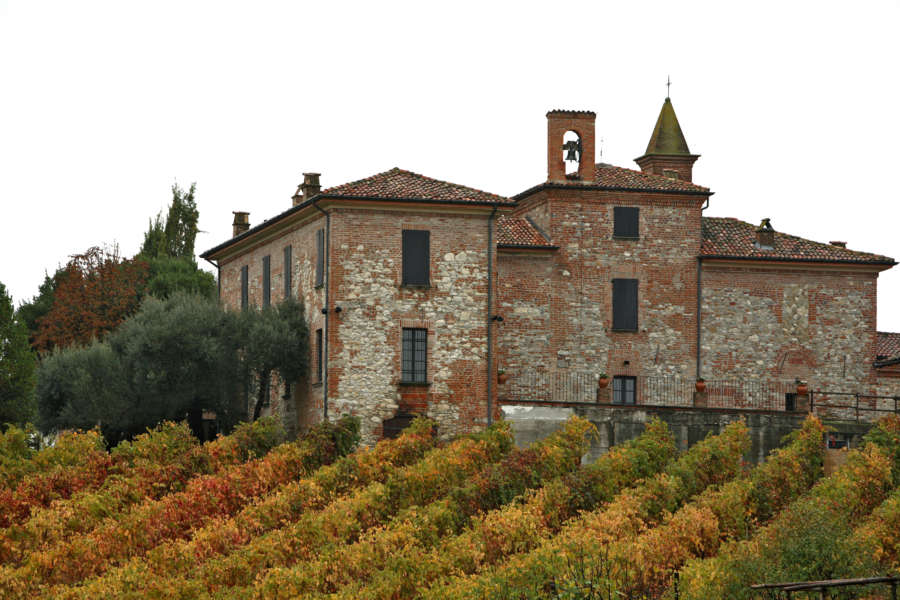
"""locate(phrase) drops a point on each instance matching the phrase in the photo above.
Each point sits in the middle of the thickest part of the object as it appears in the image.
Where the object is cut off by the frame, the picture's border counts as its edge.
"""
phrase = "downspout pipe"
(325, 310)
(699, 303)
(700, 288)
(490, 316)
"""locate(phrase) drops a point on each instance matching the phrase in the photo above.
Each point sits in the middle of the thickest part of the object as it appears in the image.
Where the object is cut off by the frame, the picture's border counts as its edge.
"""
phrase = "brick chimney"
(582, 123)
(241, 223)
(309, 188)
(765, 235)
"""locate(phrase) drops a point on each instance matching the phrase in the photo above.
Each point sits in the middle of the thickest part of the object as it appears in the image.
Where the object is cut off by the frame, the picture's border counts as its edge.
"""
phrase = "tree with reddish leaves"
(100, 289)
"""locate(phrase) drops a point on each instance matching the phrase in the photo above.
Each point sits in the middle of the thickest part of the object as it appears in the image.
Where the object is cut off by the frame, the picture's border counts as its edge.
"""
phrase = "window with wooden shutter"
(267, 280)
(245, 282)
(414, 356)
(320, 257)
(288, 271)
(416, 257)
(625, 222)
(625, 304)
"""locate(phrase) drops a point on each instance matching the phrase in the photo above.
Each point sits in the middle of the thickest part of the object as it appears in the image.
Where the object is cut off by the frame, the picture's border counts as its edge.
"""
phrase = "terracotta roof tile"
(612, 176)
(519, 231)
(887, 346)
(406, 185)
(729, 237)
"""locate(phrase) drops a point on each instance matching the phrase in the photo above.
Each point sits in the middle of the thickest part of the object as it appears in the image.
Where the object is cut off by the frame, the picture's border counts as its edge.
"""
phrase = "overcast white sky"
(792, 105)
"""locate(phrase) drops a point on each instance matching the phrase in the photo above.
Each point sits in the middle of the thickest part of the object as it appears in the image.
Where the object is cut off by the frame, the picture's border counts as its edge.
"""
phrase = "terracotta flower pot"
(802, 389)
(700, 386)
(603, 382)
(502, 377)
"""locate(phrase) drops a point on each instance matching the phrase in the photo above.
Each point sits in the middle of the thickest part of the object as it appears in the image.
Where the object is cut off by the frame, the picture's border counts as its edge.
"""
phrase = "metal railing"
(578, 387)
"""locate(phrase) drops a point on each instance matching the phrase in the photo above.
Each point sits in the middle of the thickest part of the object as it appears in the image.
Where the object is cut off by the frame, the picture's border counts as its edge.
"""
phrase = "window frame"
(620, 392)
(623, 218)
(413, 366)
(407, 278)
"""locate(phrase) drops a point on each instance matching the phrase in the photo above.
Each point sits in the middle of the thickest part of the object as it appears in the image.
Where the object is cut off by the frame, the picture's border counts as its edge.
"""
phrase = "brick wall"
(571, 292)
(365, 345)
(305, 406)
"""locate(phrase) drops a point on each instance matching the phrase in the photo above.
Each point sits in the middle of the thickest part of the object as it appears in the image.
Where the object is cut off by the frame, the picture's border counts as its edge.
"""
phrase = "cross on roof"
(668, 85)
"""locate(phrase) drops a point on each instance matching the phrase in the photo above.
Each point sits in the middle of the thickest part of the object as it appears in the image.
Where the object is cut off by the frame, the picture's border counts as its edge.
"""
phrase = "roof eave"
(873, 263)
(608, 188)
(210, 254)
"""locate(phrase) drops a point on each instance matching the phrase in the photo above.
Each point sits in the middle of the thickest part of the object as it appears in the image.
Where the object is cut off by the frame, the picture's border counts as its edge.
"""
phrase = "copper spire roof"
(667, 138)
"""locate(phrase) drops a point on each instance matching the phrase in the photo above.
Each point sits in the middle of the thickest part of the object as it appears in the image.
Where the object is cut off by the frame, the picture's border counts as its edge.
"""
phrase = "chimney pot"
(765, 235)
(839, 244)
(241, 223)
(306, 190)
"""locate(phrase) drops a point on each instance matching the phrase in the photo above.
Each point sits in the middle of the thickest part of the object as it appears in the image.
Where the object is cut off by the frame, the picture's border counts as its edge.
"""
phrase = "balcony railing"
(580, 388)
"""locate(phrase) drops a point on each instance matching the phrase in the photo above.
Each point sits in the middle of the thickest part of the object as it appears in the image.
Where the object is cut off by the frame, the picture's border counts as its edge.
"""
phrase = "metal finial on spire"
(668, 85)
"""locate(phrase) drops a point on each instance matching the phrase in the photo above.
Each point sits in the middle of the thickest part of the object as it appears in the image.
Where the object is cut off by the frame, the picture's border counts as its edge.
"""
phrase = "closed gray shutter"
(245, 296)
(267, 280)
(625, 222)
(416, 257)
(320, 257)
(288, 273)
(625, 304)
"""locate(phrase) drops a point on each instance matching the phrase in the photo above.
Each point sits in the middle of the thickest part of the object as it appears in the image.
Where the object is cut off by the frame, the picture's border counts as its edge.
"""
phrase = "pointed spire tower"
(667, 153)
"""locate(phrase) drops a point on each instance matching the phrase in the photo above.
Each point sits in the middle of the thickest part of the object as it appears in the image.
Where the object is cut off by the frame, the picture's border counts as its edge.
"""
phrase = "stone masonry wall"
(305, 405)
(766, 323)
(366, 336)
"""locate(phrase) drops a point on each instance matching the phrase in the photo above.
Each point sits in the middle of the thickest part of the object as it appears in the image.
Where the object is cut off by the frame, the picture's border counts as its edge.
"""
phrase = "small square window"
(670, 173)
(414, 356)
(624, 389)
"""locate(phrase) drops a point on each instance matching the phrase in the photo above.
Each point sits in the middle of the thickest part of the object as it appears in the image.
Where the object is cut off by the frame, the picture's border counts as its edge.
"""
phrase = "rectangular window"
(320, 257)
(319, 356)
(267, 280)
(625, 222)
(625, 304)
(288, 273)
(245, 282)
(624, 389)
(414, 356)
(416, 257)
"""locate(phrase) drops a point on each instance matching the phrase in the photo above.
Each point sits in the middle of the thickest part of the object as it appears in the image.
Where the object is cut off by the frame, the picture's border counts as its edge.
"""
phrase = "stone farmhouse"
(419, 292)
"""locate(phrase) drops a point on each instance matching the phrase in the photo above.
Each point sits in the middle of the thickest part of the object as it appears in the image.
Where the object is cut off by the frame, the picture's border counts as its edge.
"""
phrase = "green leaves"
(17, 366)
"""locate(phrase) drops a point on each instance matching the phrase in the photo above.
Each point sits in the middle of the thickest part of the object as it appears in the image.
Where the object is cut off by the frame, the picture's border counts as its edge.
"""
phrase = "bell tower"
(570, 139)
(667, 153)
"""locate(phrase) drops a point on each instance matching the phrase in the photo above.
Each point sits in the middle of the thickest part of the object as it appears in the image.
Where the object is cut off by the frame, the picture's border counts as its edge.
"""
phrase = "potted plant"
(802, 388)
(603, 380)
(700, 385)
(501, 376)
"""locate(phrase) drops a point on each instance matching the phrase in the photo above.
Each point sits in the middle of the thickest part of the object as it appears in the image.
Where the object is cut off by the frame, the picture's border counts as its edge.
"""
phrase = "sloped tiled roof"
(519, 231)
(731, 238)
(399, 184)
(620, 177)
(887, 346)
